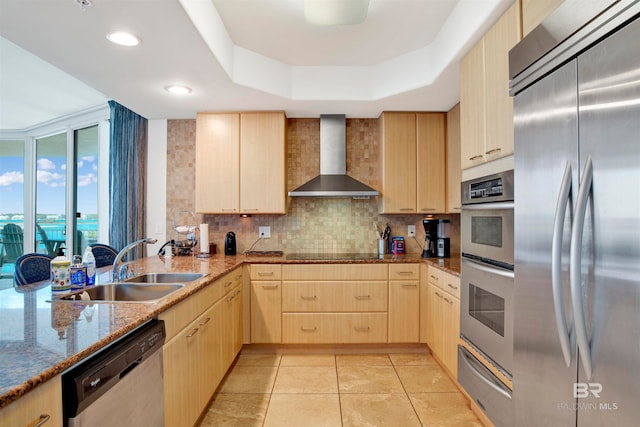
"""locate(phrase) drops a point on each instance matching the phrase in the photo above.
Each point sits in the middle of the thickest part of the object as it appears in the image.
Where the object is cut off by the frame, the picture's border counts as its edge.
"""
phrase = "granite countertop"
(40, 339)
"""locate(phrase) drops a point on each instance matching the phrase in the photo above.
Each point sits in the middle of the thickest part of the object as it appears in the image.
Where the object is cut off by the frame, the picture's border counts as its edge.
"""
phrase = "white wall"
(157, 184)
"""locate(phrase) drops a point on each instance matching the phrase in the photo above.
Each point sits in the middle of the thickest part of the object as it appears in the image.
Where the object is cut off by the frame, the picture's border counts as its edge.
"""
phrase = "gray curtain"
(127, 176)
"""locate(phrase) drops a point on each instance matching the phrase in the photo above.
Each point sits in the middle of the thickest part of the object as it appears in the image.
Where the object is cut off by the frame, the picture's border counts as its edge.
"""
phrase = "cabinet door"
(210, 350)
(499, 105)
(399, 165)
(472, 106)
(266, 312)
(434, 320)
(44, 401)
(454, 174)
(404, 311)
(181, 369)
(430, 138)
(231, 326)
(262, 162)
(451, 333)
(217, 162)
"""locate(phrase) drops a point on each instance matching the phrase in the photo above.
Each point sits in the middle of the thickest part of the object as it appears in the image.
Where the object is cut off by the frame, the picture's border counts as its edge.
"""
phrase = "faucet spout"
(117, 275)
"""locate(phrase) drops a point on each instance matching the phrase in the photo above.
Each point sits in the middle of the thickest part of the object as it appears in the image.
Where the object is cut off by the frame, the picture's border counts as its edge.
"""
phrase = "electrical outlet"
(411, 230)
(264, 232)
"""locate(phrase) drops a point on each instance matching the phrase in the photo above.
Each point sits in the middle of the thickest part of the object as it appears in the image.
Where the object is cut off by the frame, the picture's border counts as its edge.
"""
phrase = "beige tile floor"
(350, 390)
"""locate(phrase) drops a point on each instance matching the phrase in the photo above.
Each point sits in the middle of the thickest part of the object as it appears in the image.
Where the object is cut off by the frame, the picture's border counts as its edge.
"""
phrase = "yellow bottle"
(60, 277)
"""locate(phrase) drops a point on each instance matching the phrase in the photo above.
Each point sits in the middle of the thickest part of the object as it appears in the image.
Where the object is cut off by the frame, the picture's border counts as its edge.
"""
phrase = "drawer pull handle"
(270, 273)
(438, 295)
(409, 285)
(363, 296)
(494, 150)
(307, 298)
(434, 277)
(447, 300)
(193, 332)
(405, 273)
(362, 328)
(205, 321)
(407, 209)
(269, 286)
(42, 419)
(226, 285)
(455, 288)
(428, 209)
(303, 329)
(228, 209)
(476, 157)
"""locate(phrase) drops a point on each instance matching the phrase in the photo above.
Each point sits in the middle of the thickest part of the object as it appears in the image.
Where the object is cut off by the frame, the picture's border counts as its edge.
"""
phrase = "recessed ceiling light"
(178, 90)
(123, 38)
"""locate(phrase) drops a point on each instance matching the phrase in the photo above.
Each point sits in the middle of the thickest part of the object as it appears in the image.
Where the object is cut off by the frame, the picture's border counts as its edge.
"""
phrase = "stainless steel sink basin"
(123, 292)
(165, 278)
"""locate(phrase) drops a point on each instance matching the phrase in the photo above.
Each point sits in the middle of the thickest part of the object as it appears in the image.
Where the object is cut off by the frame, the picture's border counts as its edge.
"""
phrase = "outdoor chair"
(12, 244)
(32, 268)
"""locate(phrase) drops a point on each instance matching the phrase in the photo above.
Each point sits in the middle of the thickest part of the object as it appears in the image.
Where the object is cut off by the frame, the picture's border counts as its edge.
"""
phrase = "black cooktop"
(331, 256)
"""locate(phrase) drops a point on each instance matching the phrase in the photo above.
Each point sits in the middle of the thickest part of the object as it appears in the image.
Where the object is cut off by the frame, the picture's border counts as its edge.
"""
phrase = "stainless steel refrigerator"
(577, 218)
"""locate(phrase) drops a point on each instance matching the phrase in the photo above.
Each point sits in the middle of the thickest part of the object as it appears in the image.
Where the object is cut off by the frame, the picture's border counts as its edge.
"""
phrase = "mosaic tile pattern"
(310, 225)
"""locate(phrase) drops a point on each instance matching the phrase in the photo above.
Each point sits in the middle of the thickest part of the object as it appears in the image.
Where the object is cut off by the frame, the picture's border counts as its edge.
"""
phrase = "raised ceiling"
(233, 54)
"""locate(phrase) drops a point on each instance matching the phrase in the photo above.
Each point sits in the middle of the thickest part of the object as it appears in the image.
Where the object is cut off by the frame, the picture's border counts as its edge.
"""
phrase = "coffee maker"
(443, 243)
(437, 239)
(430, 240)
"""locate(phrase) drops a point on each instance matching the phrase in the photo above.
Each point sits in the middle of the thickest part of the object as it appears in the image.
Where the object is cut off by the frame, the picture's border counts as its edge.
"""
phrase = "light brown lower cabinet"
(442, 320)
(266, 303)
(43, 404)
(197, 354)
(404, 303)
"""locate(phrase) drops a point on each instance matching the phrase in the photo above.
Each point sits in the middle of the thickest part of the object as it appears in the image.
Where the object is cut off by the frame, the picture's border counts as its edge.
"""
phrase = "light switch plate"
(411, 230)
(264, 232)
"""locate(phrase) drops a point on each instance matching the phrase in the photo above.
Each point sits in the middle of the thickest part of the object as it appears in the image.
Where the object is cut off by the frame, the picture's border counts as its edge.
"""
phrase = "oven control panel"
(492, 187)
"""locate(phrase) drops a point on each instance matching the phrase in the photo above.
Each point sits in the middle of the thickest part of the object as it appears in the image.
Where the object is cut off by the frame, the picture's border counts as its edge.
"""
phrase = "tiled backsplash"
(311, 224)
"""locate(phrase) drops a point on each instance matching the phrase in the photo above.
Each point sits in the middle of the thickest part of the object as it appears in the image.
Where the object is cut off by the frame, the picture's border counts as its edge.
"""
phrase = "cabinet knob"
(362, 328)
(363, 297)
(265, 274)
(269, 286)
(308, 298)
(303, 329)
(455, 288)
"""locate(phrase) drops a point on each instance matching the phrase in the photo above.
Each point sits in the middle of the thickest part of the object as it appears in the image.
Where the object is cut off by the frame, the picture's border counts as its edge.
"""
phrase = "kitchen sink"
(165, 278)
(123, 292)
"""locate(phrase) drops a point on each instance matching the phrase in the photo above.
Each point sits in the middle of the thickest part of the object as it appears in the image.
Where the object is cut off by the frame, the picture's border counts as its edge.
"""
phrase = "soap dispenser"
(60, 273)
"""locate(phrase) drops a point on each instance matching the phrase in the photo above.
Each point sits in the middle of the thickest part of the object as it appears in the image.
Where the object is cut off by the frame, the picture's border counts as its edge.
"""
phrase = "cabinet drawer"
(230, 280)
(335, 272)
(334, 328)
(334, 296)
(445, 281)
(265, 271)
(404, 271)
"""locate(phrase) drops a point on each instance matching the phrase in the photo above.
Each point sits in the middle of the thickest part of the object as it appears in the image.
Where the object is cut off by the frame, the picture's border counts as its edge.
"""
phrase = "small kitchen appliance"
(443, 242)
(430, 240)
(230, 243)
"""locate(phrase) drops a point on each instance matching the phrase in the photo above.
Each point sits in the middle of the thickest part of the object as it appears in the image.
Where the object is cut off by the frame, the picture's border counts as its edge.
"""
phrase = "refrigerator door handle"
(575, 267)
(556, 265)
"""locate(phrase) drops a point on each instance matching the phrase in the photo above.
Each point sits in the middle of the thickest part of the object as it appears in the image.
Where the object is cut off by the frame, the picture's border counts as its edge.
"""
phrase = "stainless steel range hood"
(333, 180)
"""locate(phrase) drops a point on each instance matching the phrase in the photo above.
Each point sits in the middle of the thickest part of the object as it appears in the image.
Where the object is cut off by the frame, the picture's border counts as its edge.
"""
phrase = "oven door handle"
(564, 333)
(575, 266)
(487, 268)
(488, 206)
(483, 373)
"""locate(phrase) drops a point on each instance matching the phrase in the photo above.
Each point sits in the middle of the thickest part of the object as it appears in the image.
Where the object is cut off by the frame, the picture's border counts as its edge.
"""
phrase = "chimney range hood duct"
(333, 180)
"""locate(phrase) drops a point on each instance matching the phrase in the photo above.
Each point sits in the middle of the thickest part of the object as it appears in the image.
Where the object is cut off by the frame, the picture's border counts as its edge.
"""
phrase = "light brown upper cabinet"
(240, 163)
(486, 109)
(454, 173)
(534, 12)
(412, 162)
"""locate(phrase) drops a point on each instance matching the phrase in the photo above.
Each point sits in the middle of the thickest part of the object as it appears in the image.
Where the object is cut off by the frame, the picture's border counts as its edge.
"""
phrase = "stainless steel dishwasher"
(119, 386)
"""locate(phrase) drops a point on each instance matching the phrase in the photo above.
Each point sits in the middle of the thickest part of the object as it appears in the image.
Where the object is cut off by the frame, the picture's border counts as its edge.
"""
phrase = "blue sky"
(51, 184)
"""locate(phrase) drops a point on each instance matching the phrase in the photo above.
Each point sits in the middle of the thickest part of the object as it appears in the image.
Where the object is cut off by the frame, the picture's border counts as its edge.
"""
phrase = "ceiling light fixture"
(123, 38)
(336, 12)
(178, 89)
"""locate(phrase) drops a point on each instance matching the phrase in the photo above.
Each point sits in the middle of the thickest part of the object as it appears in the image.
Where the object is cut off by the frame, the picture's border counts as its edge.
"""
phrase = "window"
(54, 184)
(11, 197)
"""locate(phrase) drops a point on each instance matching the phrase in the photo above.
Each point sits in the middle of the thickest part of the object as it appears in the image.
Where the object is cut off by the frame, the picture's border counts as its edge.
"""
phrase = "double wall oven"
(487, 278)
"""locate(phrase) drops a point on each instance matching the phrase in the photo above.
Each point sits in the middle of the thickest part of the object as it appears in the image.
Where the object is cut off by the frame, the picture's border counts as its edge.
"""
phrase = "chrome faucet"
(118, 275)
